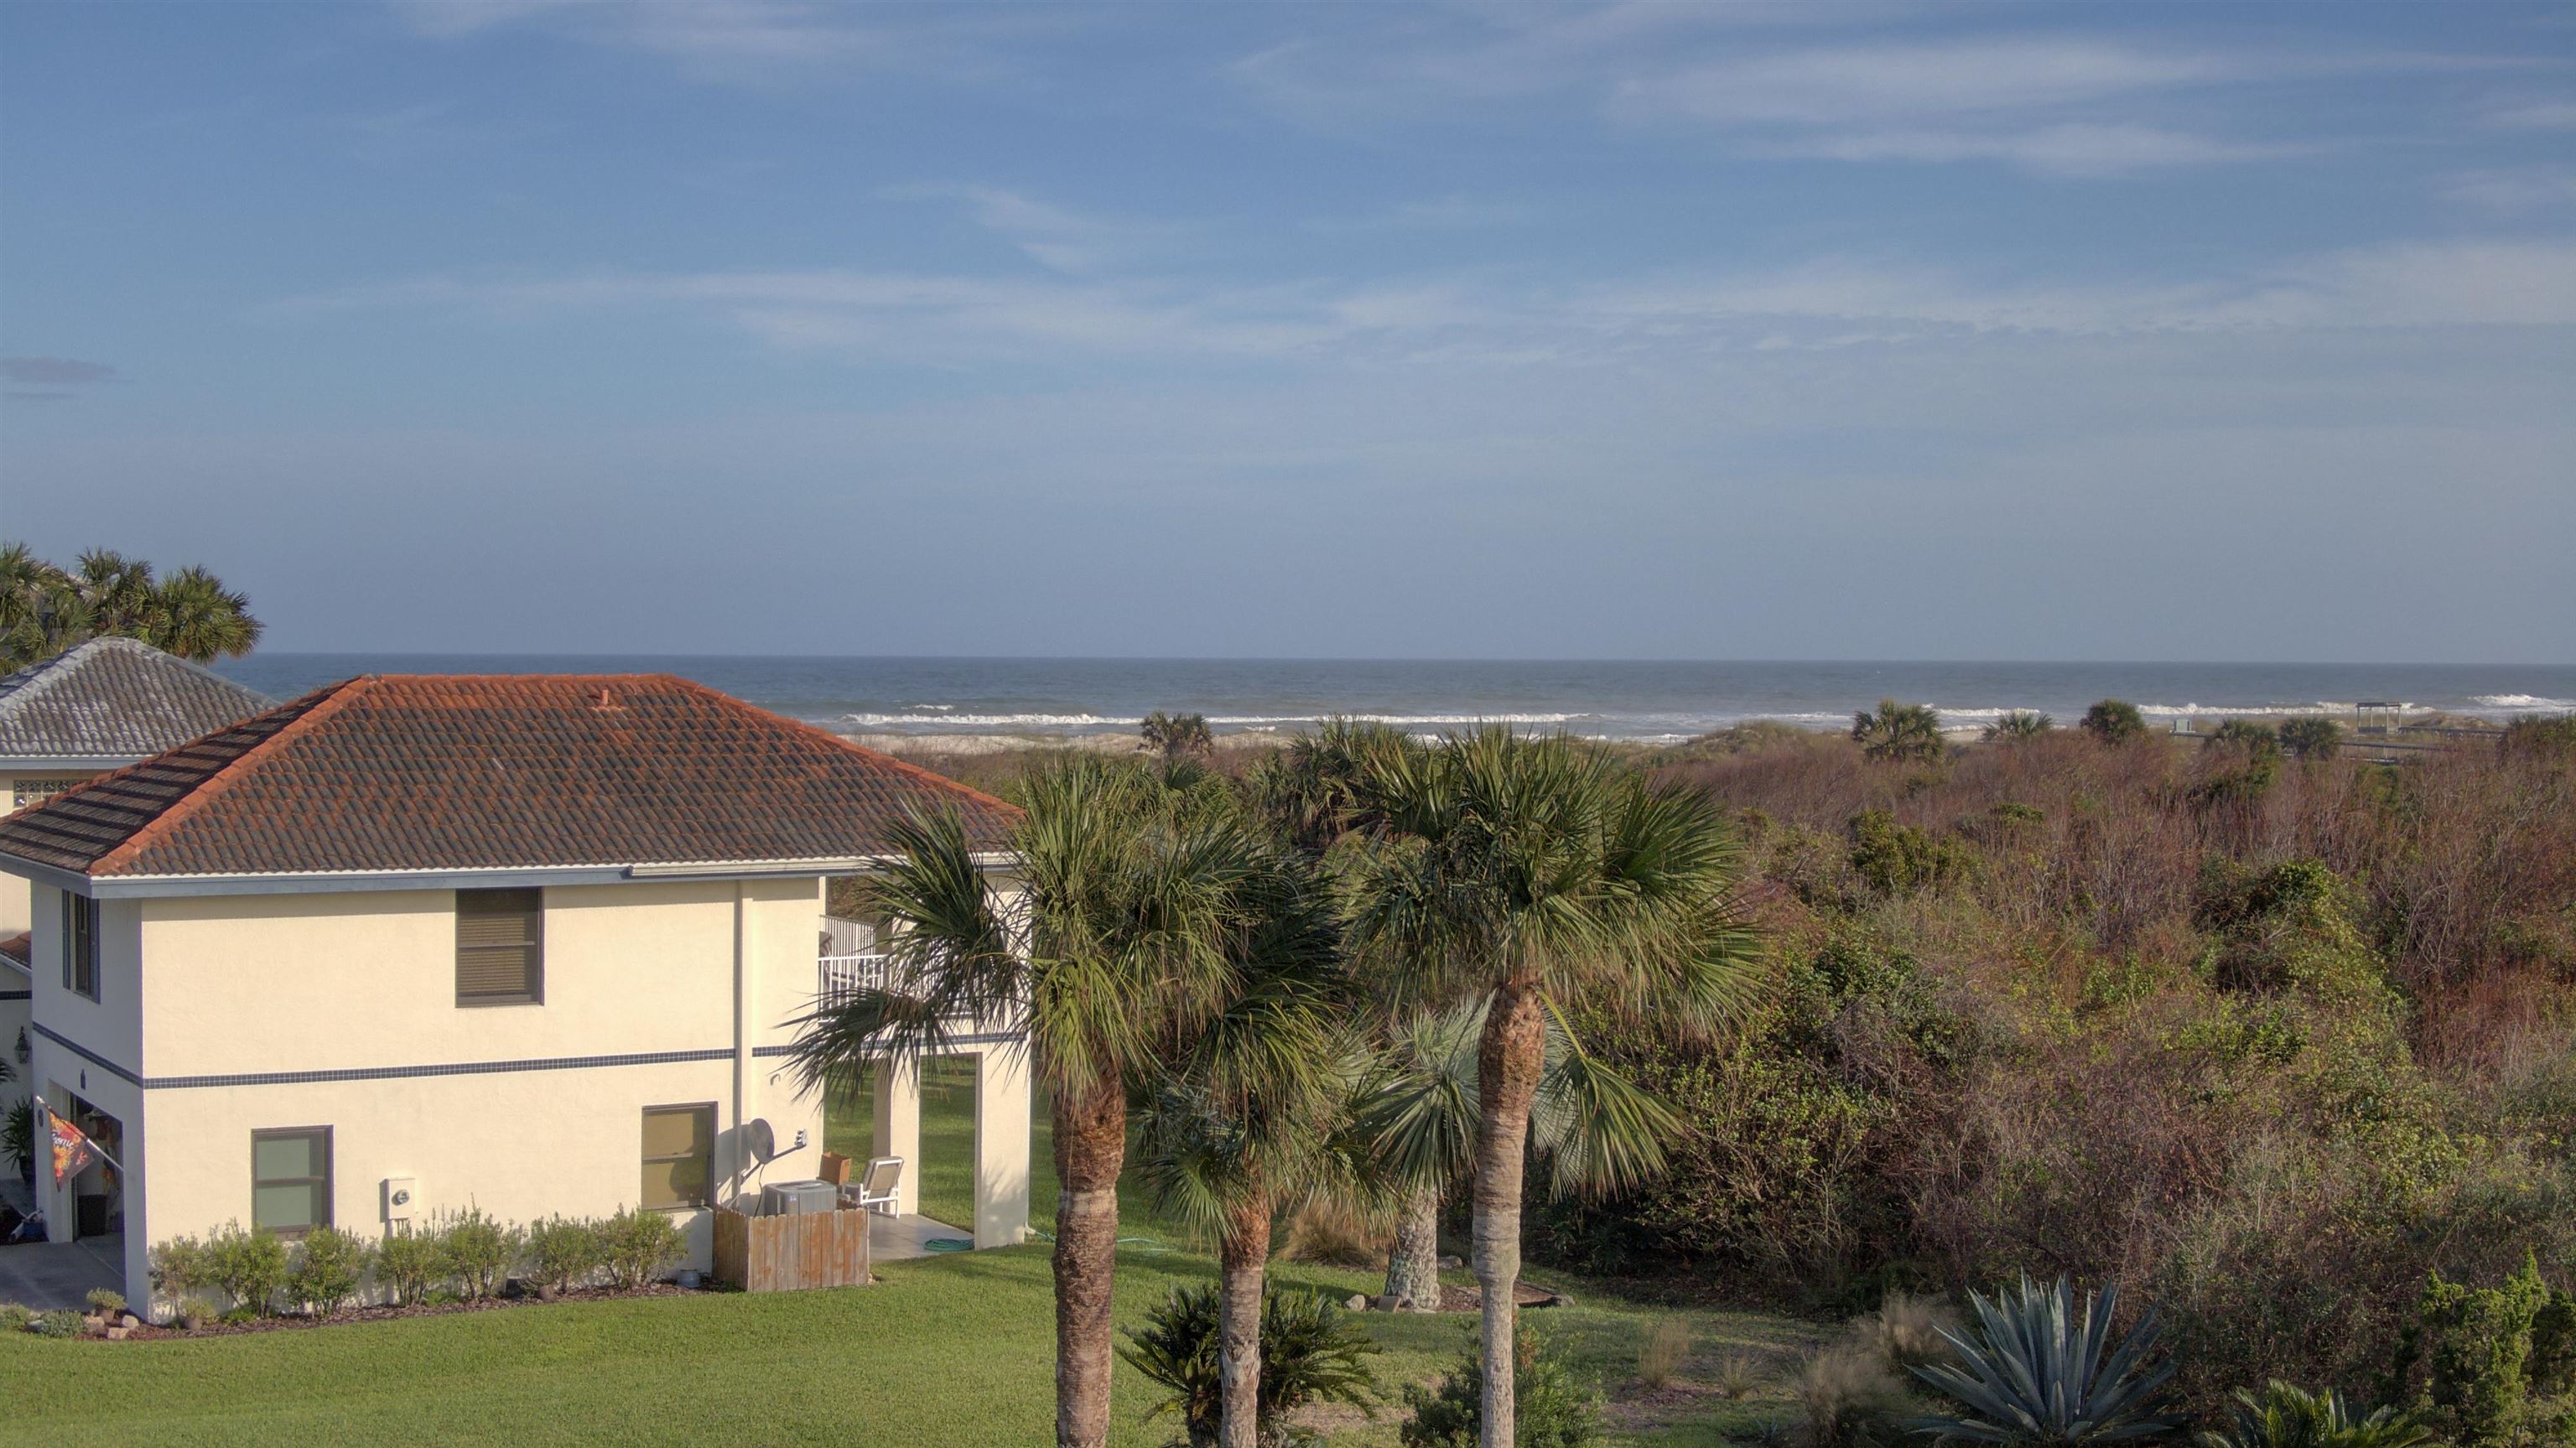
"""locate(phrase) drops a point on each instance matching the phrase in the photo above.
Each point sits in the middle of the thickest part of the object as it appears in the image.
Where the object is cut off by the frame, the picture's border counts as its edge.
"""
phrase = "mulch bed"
(1472, 1299)
(148, 1333)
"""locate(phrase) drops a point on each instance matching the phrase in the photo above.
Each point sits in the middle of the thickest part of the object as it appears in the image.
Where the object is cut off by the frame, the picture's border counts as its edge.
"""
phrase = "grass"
(946, 1351)
(952, 1352)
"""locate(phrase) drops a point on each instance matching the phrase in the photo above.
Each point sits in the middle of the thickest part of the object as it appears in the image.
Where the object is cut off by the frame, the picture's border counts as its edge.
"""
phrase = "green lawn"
(945, 1353)
(952, 1352)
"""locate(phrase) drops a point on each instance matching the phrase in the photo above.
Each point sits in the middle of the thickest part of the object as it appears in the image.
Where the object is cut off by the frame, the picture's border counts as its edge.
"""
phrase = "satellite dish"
(759, 1140)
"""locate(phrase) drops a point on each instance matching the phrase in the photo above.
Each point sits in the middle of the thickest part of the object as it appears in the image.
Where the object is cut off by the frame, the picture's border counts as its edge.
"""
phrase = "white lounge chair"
(877, 1188)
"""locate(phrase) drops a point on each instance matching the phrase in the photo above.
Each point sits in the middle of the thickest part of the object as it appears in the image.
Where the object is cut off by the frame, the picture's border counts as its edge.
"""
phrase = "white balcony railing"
(842, 974)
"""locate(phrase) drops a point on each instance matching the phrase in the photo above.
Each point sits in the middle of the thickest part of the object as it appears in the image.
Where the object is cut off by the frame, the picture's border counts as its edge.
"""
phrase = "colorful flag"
(72, 1149)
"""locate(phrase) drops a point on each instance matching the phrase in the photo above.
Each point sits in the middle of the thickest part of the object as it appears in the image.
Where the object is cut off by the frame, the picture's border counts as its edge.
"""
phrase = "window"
(290, 1180)
(38, 788)
(500, 947)
(80, 944)
(679, 1154)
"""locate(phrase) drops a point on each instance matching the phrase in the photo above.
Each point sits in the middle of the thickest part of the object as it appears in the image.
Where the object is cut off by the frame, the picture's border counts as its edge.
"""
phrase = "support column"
(896, 1102)
(1001, 1147)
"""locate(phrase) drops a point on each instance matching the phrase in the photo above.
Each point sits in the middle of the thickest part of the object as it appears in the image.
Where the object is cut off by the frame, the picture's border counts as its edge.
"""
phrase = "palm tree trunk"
(1090, 1149)
(1508, 1062)
(1413, 1267)
(1243, 1260)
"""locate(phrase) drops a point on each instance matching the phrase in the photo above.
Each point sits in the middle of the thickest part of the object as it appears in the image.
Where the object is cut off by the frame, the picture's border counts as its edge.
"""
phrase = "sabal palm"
(1115, 949)
(1416, 1116)
(1243, 1121)
(1898, 731)
(1535, 874)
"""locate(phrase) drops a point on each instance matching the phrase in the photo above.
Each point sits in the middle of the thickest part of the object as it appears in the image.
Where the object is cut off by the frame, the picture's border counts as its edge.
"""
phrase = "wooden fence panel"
(791, 1253)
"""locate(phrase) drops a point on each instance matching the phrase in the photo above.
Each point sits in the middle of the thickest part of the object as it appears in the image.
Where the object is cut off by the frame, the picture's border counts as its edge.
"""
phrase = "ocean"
(1636, 700)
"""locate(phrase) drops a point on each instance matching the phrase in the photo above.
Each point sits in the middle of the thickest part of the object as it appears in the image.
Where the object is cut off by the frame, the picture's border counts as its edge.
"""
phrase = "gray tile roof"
(115, 699)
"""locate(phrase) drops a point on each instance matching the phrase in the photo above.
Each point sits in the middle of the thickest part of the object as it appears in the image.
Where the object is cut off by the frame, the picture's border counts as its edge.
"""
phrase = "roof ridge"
(931, 776)
(37, 679)
(325, 701)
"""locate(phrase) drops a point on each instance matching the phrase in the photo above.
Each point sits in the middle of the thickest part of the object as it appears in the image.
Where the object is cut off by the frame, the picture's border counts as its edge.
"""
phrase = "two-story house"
(409, 943)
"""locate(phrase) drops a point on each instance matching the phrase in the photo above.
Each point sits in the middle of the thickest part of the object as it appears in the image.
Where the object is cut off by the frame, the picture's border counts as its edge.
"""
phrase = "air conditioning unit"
(787, 1199)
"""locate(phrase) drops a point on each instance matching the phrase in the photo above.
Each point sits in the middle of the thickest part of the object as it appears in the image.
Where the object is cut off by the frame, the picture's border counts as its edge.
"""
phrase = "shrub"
(2039, 1370)
(2311, 736)
(14, 1316)
(2498, 1363)
(1898, 731)
(637, 1245)
(179, 1267)
(2115, 721)
(1554, 1411)
(1847, 1398)
(2018, 725)
(1311, 1352)
(2539, 736)
(1332, 1232)
(329, 1266)
(2282, 1416)
(62, 1322)
(411, 1266)
(249, 1267)
(477, 1251)
(1901, 859)
(1664, 1349)
(105, 1301)
(564, 1252)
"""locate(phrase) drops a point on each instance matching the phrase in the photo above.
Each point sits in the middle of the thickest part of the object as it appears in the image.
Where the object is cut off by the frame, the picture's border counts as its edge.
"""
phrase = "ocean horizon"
(1638, 700)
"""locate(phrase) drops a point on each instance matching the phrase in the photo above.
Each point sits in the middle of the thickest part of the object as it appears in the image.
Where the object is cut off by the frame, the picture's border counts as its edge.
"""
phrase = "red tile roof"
(395, 772)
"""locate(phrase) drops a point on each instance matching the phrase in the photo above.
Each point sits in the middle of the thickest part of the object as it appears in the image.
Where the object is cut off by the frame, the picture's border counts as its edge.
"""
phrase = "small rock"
(1452, 1263)
(1358, 1302)
(130, 1320)
(1388, 1302)
(118, 1332)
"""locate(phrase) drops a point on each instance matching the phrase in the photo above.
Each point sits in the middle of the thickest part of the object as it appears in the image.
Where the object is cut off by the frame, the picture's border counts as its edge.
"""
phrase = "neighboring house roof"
(410, 772)
(19, 950)
(115, 698)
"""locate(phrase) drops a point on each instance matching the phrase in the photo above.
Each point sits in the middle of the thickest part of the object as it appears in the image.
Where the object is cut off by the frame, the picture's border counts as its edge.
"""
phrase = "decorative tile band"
(454, 1068)
(85, 1053)
(16, 995)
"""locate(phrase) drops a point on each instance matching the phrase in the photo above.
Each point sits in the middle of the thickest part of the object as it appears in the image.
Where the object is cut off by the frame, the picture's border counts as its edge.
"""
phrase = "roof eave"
(132, 887)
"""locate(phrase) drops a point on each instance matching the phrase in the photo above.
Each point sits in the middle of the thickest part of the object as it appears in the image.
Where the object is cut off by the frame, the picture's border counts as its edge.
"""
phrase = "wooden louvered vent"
(500, 947)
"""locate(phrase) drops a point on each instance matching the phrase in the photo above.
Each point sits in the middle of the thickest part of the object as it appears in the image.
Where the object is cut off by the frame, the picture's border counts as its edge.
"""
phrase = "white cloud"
(751, 42)
(2537, 116)
(2065, 150)
(1478, 322)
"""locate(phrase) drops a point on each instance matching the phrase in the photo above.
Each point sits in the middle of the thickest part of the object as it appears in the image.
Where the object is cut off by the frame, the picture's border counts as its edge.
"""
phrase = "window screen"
(679, 1155)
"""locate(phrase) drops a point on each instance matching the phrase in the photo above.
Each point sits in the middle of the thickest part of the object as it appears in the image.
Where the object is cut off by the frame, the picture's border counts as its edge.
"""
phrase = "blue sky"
(1761, 330)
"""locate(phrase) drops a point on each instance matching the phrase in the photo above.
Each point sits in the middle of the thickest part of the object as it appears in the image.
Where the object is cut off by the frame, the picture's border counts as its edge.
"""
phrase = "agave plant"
(2035, 1372)
(2284, 1416)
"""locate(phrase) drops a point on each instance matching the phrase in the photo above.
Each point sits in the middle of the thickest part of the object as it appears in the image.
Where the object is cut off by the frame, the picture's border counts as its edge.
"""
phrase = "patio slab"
(48, 1275)
(900, 1239)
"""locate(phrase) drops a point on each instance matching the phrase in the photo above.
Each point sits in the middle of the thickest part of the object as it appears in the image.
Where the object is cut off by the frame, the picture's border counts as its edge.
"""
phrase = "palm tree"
(1898, 731)
(45, 610)
(1114, 950)
(1243, 1123)
(1535, 874)
(37, 603)
(1416, 1117)
(196, 617)
(2016, 725)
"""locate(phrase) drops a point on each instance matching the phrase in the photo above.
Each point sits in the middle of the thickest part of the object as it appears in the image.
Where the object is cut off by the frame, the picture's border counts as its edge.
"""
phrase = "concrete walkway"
(900, 1239)
(48, 1275)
